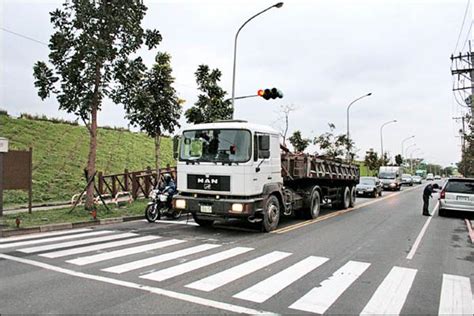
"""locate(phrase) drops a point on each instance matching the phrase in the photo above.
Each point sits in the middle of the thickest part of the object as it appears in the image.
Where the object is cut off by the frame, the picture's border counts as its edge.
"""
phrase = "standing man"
(427, 194)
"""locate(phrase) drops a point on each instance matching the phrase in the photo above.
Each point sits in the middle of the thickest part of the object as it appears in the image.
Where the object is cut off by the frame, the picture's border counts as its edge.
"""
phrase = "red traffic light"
(260, 93)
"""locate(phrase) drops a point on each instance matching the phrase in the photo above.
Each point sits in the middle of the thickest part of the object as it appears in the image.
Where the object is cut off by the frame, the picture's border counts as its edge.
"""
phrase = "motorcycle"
(160, 205)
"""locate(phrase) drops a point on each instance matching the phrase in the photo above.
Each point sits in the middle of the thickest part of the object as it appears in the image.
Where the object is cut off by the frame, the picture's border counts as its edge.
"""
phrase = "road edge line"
(171, 294)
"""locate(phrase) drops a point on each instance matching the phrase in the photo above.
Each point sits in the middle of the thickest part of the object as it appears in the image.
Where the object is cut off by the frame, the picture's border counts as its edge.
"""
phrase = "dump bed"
(299, 166)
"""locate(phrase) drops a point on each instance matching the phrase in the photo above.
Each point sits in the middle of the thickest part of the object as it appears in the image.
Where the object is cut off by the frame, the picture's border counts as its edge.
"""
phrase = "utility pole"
(462, 66)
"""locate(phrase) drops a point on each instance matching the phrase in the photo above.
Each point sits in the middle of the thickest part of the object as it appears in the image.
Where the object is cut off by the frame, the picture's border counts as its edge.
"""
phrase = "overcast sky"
(321, 54)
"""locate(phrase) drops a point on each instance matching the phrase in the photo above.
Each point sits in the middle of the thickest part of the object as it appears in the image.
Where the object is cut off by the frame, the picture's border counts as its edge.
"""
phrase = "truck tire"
(315, 207)
(271, 214)
(353, 197)
(202, 222)
(346, 198)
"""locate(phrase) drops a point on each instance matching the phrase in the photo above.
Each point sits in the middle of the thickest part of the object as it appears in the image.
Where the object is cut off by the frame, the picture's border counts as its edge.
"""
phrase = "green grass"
(56, 216)
(60, 155)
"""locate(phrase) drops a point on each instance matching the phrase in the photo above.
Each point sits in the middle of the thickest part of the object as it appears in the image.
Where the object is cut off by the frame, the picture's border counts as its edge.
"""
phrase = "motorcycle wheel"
(152, 213)
(175, 214)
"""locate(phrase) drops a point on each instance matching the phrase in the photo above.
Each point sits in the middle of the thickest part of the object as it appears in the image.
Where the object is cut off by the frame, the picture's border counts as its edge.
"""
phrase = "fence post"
(114, 186)
(134, 186)
(101, 183)
(125, 179)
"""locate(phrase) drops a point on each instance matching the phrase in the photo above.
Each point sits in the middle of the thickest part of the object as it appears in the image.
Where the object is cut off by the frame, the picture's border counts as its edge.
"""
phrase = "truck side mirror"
(175, 147)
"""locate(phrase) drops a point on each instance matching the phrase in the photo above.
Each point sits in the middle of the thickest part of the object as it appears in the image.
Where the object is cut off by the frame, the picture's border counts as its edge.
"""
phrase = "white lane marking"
(123, 252)
(159, 259)
(46, 240)
(265, 289)
(219, 279)
(145, 288)
(456, 296)
(76, 243)
(41, 235)
(412, 252)
(392, 293)
(195, 264)
(320, 298)
(78, 250)
(190, 223)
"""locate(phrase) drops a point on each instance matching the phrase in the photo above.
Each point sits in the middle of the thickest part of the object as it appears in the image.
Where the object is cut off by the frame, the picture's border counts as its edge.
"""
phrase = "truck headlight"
(392, 184)
(180, 204)
(237, 207)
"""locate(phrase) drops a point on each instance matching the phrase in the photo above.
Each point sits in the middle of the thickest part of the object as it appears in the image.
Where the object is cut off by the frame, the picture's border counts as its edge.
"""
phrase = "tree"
(210, 105)
(334, 146)
(284, 115)
(89, 52)
(372, 160)
(398, 160)
(466, 165)
(156, 109)
(298, 142)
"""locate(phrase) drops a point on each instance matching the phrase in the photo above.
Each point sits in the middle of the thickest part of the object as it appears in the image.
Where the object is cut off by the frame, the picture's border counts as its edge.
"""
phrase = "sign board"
(3, 145)
(17, 170)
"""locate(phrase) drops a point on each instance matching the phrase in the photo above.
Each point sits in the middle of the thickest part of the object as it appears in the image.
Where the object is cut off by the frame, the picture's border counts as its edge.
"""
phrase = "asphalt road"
(382, 257)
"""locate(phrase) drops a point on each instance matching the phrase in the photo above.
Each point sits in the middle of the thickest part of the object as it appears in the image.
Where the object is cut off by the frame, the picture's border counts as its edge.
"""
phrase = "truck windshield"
(216, 145)
(387, 175)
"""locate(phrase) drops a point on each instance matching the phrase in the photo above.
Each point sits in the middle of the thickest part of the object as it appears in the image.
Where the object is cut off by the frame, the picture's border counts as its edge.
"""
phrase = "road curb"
(66, 226)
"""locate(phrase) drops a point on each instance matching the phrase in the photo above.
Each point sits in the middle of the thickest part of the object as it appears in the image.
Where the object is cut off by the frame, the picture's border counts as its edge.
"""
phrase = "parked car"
(417, 180)
(437, 177)
(407, 179)
(429, 177)
(369, 186)
(457, 195)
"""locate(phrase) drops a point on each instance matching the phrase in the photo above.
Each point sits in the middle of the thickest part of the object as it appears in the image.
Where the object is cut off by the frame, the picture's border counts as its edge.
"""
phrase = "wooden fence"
(137, 183)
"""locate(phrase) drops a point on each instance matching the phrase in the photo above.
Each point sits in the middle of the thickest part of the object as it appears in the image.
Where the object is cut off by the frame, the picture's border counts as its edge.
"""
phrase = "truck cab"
(225, 169)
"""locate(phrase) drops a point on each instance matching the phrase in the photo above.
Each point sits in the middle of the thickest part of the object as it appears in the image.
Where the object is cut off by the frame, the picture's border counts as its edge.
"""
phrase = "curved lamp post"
(403, 142)
(381, 136)
(348, 107)
(277, 5)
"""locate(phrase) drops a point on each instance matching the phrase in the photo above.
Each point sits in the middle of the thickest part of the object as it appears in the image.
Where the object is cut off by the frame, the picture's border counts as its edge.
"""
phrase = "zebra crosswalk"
(220, 266)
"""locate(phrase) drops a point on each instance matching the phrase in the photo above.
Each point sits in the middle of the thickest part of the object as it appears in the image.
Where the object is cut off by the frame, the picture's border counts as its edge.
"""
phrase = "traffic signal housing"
(268, 94)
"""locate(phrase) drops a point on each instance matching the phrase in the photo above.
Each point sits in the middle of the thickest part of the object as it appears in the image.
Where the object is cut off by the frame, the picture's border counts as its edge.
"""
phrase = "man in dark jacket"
(427, 194)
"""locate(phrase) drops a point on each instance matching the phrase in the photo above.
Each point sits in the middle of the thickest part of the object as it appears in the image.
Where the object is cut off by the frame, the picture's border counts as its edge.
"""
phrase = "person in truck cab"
(427, 194)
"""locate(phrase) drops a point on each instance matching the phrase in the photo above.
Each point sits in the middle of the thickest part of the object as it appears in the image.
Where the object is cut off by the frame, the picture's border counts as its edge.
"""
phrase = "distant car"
(369, 186)
(429, 177)
(437, 177)
(407, 179)
(417, 180)
(457, 195)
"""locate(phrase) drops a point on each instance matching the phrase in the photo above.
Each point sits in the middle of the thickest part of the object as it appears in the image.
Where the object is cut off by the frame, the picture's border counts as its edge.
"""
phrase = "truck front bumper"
(212, 208)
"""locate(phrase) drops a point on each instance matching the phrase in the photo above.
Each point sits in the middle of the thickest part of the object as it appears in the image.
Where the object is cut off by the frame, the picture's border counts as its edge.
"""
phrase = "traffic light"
(272, 93)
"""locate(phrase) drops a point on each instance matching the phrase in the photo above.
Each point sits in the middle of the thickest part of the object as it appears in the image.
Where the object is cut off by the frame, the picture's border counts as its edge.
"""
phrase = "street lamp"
(277, 5)
(348, 107)
(381, 136)
(403, 141)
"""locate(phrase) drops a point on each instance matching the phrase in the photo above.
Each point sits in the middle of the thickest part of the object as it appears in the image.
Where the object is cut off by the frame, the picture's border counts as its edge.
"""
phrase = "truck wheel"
(313, 211)
(202, 222)
(353, 197)
(271, 214)
(346, 198)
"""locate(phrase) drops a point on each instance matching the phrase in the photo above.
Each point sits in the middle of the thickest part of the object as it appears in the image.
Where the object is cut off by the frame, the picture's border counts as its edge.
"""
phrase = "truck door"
(262, 161)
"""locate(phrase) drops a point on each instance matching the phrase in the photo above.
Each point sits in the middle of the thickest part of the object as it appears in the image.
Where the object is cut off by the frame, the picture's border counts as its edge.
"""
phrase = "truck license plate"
(360, 192)
(462, 198)
(206, 209)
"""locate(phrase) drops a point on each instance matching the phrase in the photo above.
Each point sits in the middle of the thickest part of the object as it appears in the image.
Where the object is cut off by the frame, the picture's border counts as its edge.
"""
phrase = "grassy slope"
(60, 155)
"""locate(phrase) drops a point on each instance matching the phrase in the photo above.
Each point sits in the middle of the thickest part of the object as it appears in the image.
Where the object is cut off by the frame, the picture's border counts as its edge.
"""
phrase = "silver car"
(457, 195)
(369, 186)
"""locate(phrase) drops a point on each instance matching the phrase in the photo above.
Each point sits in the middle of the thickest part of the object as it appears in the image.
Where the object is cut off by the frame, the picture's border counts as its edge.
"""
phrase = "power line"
(462, 25)
(24, 36)
(467, 37)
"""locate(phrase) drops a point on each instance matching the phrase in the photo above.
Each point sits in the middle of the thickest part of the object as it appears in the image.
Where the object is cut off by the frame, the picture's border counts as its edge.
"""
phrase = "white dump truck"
(235, 169)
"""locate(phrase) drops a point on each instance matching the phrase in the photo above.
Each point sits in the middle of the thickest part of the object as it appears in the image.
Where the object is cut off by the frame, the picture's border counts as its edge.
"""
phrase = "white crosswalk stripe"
(43, 235)
(113, 244)
(391, 294)
(123, 252)
(126, 267)
(76, 243)
(319, 299)
(456, 296)
(262, 291)
(53, 239)
(217, 280)
(171, 272)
